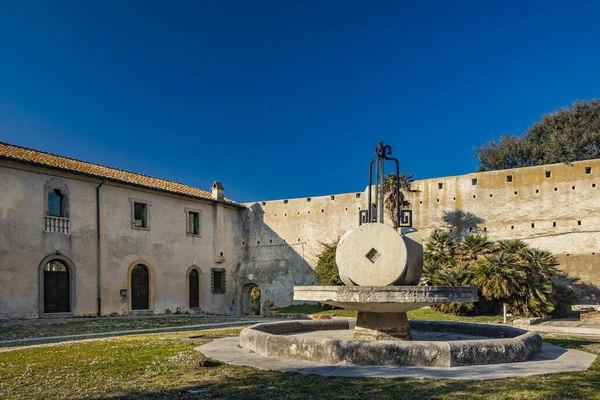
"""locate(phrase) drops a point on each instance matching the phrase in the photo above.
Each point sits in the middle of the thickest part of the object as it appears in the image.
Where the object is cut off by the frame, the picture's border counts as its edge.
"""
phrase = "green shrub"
(508, 271)
(326, 269)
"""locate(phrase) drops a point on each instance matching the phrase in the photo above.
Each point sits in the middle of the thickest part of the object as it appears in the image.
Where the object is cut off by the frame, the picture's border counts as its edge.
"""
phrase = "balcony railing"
(56, 224)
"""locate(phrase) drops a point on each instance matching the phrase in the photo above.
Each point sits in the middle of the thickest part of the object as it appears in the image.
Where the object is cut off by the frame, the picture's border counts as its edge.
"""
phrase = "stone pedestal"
(382, 326)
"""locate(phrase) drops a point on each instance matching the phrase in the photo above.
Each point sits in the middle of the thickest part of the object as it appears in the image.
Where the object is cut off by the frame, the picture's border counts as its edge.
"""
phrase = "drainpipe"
(98, 245)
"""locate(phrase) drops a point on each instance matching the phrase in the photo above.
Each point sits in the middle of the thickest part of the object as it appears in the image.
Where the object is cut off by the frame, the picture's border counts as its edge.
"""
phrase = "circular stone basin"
(385, 299)
(469, 344)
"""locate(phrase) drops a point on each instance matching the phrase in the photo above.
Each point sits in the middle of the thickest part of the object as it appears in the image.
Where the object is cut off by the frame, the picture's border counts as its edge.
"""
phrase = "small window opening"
(285, 202)
(512, 227)
(578, 222)
(454, 198)
(537, 190)
(332, 197)
(556, 189)
(218, 280)
(474, 196)
(258, 242)
(438, 200)
(322, 210)
(548, 174)
(308, 199)
(588, 170)
(593, 185)
(554, 224)
(140, 215)
(516, 193)
(358, 195)
(508, 178)
(572, 187)
(270, 240)
(193, 223)
(485, 229)
(264, 203)
(440, 185)
(474, 181)
(421, 202)
(532, 225)
(491, 195)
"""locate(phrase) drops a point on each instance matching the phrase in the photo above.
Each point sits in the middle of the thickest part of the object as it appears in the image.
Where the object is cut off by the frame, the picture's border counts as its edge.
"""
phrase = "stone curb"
(505, 344)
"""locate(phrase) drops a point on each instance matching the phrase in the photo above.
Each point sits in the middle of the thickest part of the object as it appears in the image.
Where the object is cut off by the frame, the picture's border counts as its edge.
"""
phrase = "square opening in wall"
(548, 174)
(440, 185)
(474, 181)
(588, 170)
(358, 195)
(508, 178)
(308, 199)
(332, 197)
(285, 202)
(554, 224)
(264, 203)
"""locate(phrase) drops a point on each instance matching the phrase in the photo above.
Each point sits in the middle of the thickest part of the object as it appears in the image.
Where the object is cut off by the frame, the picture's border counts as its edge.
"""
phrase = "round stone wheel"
(371, 255)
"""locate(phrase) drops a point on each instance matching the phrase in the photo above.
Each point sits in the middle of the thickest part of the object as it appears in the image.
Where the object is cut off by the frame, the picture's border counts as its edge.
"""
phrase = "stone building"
(78, 238)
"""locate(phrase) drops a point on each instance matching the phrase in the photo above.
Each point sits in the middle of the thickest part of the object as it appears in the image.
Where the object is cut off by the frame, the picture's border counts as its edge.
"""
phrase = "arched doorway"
(194, 288)
(140, 288)
(57, 287)
(251, 300)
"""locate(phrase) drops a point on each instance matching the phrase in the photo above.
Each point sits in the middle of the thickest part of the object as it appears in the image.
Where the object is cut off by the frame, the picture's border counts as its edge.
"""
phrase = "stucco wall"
(165, 248)
(563, 208)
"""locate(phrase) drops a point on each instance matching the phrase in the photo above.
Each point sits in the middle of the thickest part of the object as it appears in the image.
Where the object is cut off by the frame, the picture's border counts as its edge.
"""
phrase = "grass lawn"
(423, 313)
(166, 366)
(44, 328)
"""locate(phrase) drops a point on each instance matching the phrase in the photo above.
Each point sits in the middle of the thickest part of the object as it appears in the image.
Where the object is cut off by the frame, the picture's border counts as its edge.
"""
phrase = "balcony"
(56, 224)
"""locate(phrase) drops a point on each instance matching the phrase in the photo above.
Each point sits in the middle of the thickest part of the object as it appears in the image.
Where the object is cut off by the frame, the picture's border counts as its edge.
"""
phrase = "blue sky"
(286, 99)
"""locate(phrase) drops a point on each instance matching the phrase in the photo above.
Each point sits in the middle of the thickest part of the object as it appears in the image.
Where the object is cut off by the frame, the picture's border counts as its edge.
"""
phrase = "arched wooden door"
(140, 288)
(194, 289)
(57, 288)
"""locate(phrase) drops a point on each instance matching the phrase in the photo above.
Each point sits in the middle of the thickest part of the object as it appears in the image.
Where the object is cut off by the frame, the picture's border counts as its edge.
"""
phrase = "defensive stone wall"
(554, 207)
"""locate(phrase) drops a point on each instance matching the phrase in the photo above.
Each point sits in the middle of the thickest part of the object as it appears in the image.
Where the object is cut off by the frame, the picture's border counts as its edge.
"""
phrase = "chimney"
(217, 191)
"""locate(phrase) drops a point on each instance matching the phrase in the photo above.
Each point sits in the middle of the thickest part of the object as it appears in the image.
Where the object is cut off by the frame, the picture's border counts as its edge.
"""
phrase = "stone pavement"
(552, 359)
(564, 327)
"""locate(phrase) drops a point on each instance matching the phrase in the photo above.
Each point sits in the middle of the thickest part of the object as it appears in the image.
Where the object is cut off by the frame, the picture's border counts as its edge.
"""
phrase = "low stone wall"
(506, 344)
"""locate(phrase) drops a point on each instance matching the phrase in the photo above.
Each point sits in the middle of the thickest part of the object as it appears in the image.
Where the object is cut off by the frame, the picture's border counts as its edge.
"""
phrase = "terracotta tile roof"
(23, 154)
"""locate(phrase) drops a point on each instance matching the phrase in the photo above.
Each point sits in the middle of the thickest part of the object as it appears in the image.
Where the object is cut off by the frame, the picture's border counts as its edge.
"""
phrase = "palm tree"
(390, 184)
(474, 245)
(513, 246)
(498, 274)
(439, 249)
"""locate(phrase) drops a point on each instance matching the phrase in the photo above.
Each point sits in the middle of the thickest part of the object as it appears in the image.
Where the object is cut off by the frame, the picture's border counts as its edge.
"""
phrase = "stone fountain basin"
(475, 344)
(385, 299)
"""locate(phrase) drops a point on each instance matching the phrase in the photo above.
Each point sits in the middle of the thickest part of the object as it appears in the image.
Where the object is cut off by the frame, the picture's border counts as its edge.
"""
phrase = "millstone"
(371, 255)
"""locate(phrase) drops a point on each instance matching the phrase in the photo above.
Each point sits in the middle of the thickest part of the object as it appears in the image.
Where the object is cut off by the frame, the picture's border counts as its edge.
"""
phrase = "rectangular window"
(218, 280)
(508, 178)
(474, 181)
(193, 223)
(55, 203)
(140, 215)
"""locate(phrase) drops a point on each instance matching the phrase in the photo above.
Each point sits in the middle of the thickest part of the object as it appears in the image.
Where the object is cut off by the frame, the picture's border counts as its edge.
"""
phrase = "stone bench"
(588, 312)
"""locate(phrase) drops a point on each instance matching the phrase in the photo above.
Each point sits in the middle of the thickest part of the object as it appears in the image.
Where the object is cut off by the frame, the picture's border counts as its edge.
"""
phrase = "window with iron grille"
(218, 280)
